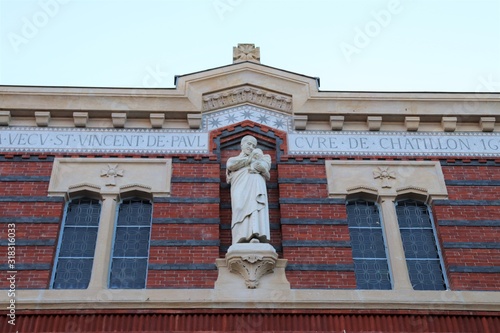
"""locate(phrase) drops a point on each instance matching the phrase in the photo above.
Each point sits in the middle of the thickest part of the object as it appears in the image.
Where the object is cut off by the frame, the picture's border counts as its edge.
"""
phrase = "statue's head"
(248, 144)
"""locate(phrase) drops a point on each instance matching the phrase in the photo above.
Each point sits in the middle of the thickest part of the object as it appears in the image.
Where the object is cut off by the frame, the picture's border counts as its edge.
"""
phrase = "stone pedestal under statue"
(251, 266)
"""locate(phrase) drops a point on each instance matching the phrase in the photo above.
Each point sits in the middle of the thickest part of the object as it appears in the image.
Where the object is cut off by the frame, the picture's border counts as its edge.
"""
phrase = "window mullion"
(100, 268)
(398, 266)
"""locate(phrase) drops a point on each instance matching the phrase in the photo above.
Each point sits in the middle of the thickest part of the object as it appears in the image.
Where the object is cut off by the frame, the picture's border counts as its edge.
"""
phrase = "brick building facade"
(115, 207)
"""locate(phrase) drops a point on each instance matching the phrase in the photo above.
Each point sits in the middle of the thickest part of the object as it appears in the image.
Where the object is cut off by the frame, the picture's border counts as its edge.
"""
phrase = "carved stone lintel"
(487, 124)
(194, 120)
(449, 124)
(42, 118)
(157, 120)
(300, 122)
(119, 119)
(80, 119)
(337, 122)
(374, 123)
(412, 123)
(247, 94)
(4, 118)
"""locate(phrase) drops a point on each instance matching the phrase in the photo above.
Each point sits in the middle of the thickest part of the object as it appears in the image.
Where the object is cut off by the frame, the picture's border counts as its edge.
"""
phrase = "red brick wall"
(188, 182)
(468, 234)
(12, 212)
(470, 243)
(309, 237)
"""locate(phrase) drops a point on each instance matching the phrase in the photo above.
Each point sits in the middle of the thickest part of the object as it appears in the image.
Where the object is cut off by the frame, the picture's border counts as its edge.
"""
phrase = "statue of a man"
(247, 173)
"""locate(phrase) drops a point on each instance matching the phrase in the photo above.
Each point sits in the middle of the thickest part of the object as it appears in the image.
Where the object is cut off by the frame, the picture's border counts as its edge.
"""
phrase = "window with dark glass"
(75, 252)
(420, 245)
(368, 246)
(129, 262)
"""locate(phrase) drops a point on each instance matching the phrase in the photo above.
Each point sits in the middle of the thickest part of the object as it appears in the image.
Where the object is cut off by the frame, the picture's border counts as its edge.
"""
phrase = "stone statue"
(247, 173)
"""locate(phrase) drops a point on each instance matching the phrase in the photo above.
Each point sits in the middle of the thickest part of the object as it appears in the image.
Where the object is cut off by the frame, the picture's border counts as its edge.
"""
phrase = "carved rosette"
(247, 94)
(251, 267)
(111, 173)
(385, 175)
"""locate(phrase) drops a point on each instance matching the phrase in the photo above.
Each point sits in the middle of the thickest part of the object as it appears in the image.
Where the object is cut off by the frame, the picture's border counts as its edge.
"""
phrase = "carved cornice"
(247, 94)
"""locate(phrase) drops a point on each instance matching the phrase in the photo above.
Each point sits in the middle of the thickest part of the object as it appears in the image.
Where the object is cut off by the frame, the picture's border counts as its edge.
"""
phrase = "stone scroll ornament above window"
(385, 178)
(74, 176)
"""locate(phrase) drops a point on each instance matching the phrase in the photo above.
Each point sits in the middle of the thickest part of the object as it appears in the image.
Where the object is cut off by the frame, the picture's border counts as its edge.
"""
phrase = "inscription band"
(144, 141)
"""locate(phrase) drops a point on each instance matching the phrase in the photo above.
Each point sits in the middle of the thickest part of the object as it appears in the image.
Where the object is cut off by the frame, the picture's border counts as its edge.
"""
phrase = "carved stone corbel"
(251, 268)
(256, 263)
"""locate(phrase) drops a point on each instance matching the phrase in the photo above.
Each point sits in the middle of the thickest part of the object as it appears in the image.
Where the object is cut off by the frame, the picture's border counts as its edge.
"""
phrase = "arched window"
(129, 260)
(77, 241)
(368, 246)
(423, 256)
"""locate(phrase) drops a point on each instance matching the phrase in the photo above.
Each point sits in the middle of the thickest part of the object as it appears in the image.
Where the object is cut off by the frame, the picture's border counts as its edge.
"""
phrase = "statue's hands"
(248, 161)
(259, 167)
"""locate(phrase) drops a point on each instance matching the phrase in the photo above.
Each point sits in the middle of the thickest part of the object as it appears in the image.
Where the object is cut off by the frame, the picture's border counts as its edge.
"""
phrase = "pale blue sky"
(370, 45)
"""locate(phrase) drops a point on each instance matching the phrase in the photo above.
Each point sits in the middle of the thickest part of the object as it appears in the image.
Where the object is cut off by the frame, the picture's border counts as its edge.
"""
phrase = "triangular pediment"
(247, 82)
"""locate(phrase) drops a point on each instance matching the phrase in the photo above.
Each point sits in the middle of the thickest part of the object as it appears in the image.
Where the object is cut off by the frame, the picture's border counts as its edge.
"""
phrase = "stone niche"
(251, 266)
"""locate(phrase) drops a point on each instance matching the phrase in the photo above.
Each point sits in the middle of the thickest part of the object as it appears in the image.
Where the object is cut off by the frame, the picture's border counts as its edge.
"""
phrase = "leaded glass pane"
(131, 242)
(362, 214)
(78, 242)
(135, 212)
(128, 273)
(419, 243)
(426, 274)
(131, 245)
(412, 214)
(372, 274)
(83, 212)
(368, 248)
(367, 243)
(73, 273)
(76, 250)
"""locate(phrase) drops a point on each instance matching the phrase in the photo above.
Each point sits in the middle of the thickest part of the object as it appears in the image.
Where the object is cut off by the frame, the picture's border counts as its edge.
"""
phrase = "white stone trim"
(342, 176)
(94, 172)
(338, 141)
(255, 299)
(4, 118)
(42, 118)
(80, 119)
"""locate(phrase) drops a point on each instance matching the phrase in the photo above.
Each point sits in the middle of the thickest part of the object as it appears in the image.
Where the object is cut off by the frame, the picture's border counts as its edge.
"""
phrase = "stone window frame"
(386, 182)
(109, 180)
